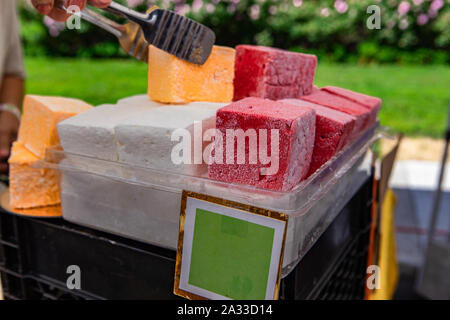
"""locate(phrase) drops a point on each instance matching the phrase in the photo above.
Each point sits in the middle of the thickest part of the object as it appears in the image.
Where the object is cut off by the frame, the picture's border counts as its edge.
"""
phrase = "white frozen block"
(140, 100)
(144, 139)
(123, 209)
(91, 133)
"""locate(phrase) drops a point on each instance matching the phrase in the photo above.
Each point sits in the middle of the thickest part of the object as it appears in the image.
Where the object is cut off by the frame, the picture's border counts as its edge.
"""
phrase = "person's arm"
(11, 94)
(11, 90)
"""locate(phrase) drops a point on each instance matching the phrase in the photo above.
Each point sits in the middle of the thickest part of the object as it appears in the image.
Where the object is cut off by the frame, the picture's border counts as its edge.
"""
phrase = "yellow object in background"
(40, 116)
(172, 80)
(387, 259)
(31, 187)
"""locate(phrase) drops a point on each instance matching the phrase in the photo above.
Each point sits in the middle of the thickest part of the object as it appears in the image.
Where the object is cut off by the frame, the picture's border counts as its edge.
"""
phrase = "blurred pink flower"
(182, 9)
(197, 5)
(134, 3)
(235, 1)
(273, 10)
(403, 8)
(297, 3)
(215, 1)
(436, 5)
(341, 6)
(179, 9)
(255, 11)
(417, 2)
(48, 21)
(54, 27)
(422, 19)
(210, 8)
(325, 12)
(403, 24)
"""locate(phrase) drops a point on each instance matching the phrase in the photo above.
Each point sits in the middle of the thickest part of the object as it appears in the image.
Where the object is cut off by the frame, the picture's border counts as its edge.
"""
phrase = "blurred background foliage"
(412, 31)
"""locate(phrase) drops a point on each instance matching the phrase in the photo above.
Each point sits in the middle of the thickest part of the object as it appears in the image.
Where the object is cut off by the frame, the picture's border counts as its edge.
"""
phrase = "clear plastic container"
(144, 204)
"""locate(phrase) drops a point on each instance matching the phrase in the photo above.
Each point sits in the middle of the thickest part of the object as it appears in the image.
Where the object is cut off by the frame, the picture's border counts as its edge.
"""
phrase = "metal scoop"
(164, 29)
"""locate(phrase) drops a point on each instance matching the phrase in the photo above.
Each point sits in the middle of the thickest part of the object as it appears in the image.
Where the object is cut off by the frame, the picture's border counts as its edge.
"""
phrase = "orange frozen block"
(172, 80)
(30, 187)
(41, 115)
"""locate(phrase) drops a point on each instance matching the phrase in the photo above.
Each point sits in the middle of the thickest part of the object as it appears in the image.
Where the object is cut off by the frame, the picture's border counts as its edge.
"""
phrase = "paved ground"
(426, 149)
(414, 183)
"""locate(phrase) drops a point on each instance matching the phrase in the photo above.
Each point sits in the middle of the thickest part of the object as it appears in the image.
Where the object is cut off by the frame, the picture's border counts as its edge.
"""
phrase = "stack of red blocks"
(311, 124)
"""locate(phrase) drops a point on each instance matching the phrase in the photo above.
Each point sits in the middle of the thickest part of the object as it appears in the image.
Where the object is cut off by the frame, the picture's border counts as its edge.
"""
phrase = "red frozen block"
(370, 102)
(265, 143)
(361, 98)
(271, 73)
(363, 116)
(333, 131)
(314, 89)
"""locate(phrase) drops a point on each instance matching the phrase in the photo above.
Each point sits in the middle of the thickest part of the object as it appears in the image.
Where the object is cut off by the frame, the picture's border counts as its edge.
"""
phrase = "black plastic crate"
(35, 254)
(335, 267)
(111, 267)
(17, 287)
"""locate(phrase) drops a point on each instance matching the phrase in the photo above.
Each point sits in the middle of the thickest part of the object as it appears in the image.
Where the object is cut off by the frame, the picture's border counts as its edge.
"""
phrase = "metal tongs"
(164, 29)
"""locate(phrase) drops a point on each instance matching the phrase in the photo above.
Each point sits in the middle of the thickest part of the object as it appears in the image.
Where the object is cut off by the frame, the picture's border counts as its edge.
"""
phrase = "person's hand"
(46, 7)
(9, 126)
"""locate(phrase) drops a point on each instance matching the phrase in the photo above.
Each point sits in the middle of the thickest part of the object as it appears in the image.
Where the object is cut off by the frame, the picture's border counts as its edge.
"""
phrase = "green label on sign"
(228, 250)
(230, 256)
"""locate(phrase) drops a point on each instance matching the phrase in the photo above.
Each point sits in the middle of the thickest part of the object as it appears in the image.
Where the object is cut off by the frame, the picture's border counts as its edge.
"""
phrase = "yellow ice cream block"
(172, 80)
(30, 187)
(41, 115)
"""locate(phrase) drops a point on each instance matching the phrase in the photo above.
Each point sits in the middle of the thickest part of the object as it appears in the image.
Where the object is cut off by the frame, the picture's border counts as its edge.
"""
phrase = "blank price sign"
(228, 250)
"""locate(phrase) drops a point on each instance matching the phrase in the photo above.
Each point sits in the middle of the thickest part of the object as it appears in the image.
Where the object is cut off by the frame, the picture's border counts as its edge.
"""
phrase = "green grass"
(414, 97)
(95, 81)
